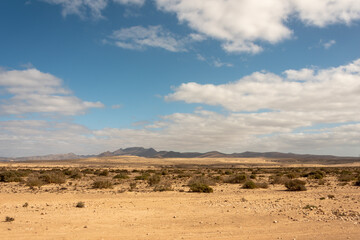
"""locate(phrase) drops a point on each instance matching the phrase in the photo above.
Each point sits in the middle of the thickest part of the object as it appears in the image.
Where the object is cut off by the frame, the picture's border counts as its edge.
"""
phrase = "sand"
(230, 212)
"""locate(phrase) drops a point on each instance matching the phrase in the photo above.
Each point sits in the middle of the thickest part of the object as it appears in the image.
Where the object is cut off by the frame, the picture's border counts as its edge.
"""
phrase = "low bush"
(80, 205)
(295, 185)
(249, 185)
(199, 187)
(238, 178)
(278, 179)
(154, 179)
(201, 180)
(346, 176)
(53, 177)
(10, 176)
(262, 185)
(9, 219)
(164, 186)
(34, 181)
(357, 183)
(100, 184)
(143, 176)
(121, 176)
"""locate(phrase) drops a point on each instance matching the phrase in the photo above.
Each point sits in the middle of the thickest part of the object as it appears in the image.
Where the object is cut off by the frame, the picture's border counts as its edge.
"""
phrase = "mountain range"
(152, 153)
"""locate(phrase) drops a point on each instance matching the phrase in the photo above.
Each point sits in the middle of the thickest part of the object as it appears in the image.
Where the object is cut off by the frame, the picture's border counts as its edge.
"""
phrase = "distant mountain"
(152, 153)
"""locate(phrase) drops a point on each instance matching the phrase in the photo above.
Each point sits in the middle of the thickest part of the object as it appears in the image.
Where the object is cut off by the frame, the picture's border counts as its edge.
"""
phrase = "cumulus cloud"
(139, 38)
(31, 91)
(92, 8)
(323, 91)
(243, 25)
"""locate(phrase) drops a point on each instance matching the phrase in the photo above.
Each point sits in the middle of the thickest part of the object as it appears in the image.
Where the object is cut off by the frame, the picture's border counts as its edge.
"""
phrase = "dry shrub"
(121, 176)
(80, 205)
(143, 176)
(238, 178)
(201, 180)
(101, 184)
(295, 185)
(199, 187)
(34, 181)
(163, 186)
(9, 219)
(53, 177)
(274, 179)
(154, 179)
(262, 185)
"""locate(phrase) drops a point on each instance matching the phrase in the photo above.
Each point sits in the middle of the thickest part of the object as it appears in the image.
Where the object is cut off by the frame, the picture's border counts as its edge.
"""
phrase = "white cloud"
(321, 13)
(32, 91)
(328, 44)
(243, 25)
(333, 91)
(139, 38)
(94, 8)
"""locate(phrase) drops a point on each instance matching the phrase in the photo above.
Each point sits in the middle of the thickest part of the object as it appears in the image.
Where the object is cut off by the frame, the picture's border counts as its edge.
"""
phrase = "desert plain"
(131, 197)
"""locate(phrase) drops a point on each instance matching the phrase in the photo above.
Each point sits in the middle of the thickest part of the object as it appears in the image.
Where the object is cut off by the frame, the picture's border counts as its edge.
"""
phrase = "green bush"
(10, 176)
(249, 185)
(199, 187)
(295, 185)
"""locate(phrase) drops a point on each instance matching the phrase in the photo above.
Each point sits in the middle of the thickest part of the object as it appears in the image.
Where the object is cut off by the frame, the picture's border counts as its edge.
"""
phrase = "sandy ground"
(228, 213)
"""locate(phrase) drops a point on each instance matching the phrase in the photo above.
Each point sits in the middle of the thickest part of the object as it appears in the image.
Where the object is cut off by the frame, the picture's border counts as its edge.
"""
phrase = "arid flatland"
(140, 198)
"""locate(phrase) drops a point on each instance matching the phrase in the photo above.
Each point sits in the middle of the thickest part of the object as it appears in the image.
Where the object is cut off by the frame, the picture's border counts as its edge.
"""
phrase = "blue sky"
(90, 76)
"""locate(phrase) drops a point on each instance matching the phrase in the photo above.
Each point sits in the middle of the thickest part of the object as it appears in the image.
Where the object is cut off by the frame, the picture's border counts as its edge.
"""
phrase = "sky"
(87, 76)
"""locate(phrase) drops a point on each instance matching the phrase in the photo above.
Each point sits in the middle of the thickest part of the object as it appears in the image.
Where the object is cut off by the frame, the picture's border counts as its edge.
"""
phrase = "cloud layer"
(31, 91)
(304, 111)
(243, 25)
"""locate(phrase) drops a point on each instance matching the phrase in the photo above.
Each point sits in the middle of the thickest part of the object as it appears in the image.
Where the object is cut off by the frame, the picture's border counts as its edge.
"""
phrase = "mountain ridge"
(152, 153)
